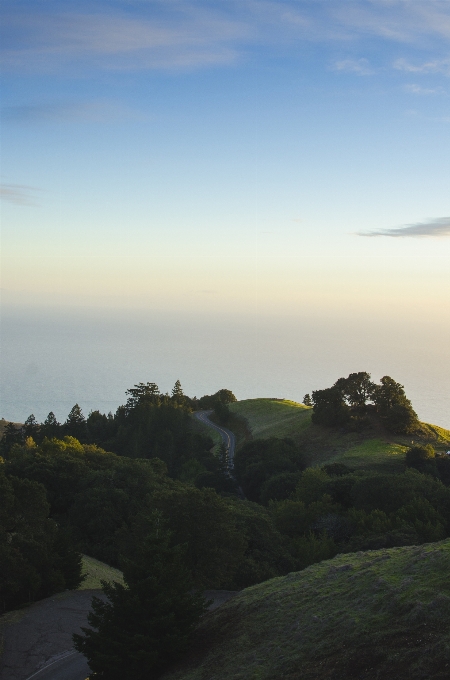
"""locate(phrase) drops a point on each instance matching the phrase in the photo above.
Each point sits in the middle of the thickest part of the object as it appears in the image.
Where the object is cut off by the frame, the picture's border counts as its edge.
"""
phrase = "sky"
(255, 159)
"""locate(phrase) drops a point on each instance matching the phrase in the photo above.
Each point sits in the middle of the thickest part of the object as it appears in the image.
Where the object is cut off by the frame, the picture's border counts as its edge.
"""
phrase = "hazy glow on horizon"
(229, 157)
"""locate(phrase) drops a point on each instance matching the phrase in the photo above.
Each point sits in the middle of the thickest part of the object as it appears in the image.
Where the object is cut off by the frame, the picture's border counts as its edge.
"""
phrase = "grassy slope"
(272, 417)
(379, 614)
(375, 448)
(96, 572)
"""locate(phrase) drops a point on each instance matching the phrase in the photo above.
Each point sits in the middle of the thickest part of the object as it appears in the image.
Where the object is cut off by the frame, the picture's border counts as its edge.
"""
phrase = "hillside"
(372, 448)
(96, 572)
(378, 614)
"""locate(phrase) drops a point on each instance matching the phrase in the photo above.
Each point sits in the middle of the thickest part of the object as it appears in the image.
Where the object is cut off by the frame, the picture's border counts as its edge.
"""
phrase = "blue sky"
(251, 155)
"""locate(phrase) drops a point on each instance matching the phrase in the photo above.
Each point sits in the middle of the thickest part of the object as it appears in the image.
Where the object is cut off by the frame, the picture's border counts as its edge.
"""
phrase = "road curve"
(72, 666)
(228, 437)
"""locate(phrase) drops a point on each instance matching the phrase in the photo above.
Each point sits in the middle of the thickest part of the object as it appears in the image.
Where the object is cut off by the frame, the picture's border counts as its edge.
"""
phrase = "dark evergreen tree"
(307, 400)
(75, 425)
(31, 427)
(12, 435)
(50, 427)
(141, 393)
(147, 623)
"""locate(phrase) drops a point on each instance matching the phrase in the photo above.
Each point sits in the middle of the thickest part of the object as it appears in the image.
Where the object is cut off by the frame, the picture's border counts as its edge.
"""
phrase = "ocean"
(54, 358)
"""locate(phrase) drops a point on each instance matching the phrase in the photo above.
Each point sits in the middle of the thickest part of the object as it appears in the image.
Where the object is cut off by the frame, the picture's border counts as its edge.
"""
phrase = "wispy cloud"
(163, 34)
(97, 111)
(359, 66)
(433, 66)
(436, 227)
(115, 40)
(413, 88)
(19, 194)
(404, 21)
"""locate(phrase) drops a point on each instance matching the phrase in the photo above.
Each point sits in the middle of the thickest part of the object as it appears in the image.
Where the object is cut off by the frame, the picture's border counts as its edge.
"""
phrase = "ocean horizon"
(54, 358)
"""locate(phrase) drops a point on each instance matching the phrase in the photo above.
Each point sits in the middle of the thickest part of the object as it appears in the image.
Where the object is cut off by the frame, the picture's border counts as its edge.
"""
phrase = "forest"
(146, 490)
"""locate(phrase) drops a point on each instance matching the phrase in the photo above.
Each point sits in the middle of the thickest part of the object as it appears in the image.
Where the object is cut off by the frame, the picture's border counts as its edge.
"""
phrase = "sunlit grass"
(272, 417)
(96, 572)
(374, 453)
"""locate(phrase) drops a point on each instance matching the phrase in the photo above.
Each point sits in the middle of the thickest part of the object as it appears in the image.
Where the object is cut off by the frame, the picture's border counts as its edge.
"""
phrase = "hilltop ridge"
(372, 447)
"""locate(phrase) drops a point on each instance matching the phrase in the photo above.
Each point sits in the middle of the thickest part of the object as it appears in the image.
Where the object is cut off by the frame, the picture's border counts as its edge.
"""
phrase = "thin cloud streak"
(434, 66)
(192, 34)
(116, 42)
(97, 111)
(19, 194)
(359, 66)
(434, 228)
(417, 89)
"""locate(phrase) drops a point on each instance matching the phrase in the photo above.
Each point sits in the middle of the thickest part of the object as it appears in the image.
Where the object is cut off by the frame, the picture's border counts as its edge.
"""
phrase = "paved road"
(228, 437)
(73, 666)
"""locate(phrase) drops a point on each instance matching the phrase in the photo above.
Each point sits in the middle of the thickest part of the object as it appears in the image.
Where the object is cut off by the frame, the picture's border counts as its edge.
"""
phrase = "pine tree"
(50, 427)
(147, 623)
(177, 390)
(31, 427)
(75, 425)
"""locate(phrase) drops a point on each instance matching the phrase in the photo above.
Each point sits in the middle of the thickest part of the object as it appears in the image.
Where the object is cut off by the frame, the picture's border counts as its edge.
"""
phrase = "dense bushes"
(360, 511)
(36, 558)
(101, 499)
(259, 463)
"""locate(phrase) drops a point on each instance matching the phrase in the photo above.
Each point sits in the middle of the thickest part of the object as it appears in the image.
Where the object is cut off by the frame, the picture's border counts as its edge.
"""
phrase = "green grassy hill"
(366, 616)
(373, 448)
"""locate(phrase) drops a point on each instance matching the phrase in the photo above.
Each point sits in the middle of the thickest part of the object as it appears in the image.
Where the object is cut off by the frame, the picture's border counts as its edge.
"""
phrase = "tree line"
(350, 400)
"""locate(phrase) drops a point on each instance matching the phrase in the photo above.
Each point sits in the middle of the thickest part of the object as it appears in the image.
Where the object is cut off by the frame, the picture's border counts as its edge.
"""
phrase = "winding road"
(228, 437)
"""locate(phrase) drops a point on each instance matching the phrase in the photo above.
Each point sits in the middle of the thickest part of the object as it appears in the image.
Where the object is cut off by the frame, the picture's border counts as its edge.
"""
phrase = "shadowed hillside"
(378, 614)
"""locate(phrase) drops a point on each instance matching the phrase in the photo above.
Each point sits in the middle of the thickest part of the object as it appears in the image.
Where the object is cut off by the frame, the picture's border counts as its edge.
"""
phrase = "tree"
(147, 623)
(31, 427)
(12, 435)
(357, 388)
(226, 396)
(307, 400)
(50, 427)
(36, 559)
(140, 393)
(422, 458)
(394, 407)
(330, 408)
(75, 425)
(203, 520)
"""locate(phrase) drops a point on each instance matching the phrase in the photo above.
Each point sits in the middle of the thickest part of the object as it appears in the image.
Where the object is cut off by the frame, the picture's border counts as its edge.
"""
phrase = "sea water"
(52, 359)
